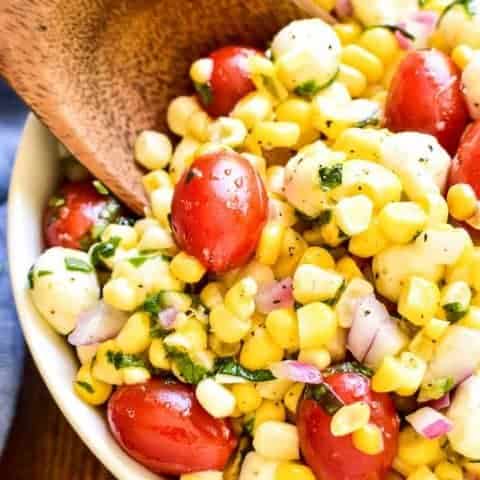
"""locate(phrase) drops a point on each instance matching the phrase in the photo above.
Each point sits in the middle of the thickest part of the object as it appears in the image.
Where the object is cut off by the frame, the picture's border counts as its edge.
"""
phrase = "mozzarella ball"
(383, 12)
(471, 85)
(307, 52)
(61, 291)
(459, 27)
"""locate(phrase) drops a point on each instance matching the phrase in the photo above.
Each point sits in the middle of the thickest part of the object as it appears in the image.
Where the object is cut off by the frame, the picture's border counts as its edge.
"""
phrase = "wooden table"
(42, 445)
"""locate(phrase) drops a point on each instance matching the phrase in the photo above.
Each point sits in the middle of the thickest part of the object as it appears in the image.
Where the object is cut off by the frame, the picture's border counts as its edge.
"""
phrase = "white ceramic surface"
(33, 181)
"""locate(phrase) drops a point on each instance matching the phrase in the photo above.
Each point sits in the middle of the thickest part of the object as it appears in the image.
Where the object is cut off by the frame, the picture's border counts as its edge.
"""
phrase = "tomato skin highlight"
(219, 208)
(69, 224)
(425, 96)
(161, 425)
(337, 457)
(230, 80)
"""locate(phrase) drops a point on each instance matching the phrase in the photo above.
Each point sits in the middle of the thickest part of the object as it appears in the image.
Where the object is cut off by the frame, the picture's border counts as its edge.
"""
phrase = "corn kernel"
(292, 397)
(121, 294)
(127, 235)
(227, 131)
(319, 257)
(401, 221)
(276, 180)
(183, 156)
(471, 319)
(315, 284)
(368, 439)
(270, 243)
(290, 470)
(319, 357)
(361, 143)
(462, 201)
(381, 42)
(157, 355)
(259, 350)
(161, 202)
(223, 349)
(354, 214)
(348, 268)
(269, 410)
(276, 134)
(347, 32)
(134, 337)
(419, 300)
(179, 111)
(361, 59)
(135, 375)
(317, 325)
(369, 243)
(282, 326)
(349, 419)
(422, 346)
(156, 179)
(413, 373)
(201, 71)
(247, 397)
(448, 471)
(187, 268)
(212, 295)
(353, 79)
(274, 389)
(217, 400)
(293, 247)
(416, 450)
(153, 150)
(102, 368)
(435, 328)
(436, 209)
(298, 111)
(402, 467)
(457, 294)
(422, 473)
(240, 298)
(277, 441)
(199, 127)
(157, 238)
(253, 108)
(228, 327)
(461, 55)
(90, 389)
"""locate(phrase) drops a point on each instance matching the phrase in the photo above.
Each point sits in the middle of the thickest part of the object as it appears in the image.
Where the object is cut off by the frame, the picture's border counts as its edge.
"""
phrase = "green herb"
(140, 260)
(394, 29)
(190, 371)
(30, 277)
(325, 397)
(333, 301)
(349, 367)
(228, 366)
(86, 386)
(371, 121)
(44, 273)
(308, 89)
(154, 304)
(104, 250)
(324, 218)
(331, 176)
(156, 330)
(454, 311)
(100, 187)
(205, 92)
(249, 425)
(468, 5)
(124, 360)
(436, 389)
(422, 3)
(77, 265)
(270, 86)
(56, 202)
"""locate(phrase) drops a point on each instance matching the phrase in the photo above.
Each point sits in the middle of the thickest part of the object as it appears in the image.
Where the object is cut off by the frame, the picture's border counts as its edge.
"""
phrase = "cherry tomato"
(161, 425)
(218, 210)
(230, 80)
(74, 212)
(425, 96)
(336, 457)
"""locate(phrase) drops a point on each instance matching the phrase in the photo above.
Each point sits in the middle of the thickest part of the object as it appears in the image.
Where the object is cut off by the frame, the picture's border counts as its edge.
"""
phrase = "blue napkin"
(12, 116)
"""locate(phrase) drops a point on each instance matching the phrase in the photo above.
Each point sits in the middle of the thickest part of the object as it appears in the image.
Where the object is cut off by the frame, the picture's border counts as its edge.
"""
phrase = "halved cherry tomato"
(73, 213)
(218, 210)
(230, 80)
(425, 96)
(336, 457)
(161, 425)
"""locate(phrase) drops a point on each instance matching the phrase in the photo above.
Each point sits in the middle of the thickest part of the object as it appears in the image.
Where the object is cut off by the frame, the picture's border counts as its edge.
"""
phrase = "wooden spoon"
(98, 72)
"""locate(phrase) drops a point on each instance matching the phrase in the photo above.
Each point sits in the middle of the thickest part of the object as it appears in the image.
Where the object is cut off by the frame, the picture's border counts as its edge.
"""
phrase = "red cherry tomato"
(425, 96)
(74, 211)
(230, 80)
(161, 425)
(336, 457)
(218, 210)
(466, 165)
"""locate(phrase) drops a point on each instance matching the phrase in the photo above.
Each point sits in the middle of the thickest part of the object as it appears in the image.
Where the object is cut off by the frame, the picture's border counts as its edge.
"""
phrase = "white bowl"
(33, 181)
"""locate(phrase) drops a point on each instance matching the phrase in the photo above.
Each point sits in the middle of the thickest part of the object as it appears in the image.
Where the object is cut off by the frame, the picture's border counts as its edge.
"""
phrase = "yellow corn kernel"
(298, 111)
(404, 468)
(194, 331)
(259, 350)
(134, 375)
(199, 126)
(247, 397)
(319, 357)
(388, 377)
(187, 268)
(127, 235)
(276, 180)
(348, 32)
(456, 294)
(183, 157)
(282, 326)
(319, 257)
(413, 373)
(156, 179)
(354, 214)
(153, 150)
(222, 349)
(134, 337)
(268, 411)
(369, 243)
(317, 325)
(353, 79)
(157, 238)
(448, 471)
(360, 143)
(331, 235)
(270, 243)
(228, 327)
(212, 295)
(461, 55)
(240, 298)
(121, 294)
(264, 76)
(348, 268)
(415, 450)
(227, 131)
(422, 346)
(473, 468)
(251, 145)
(381, 42)
(90, 389)
(401, 221)
(102, 368)
(435, 328)
(419, 300)
(179, 111)
(253, 108)
(462, 201)
(436, 208)
(277, 441)
(361, 59)
(201, 70)
(315, 284)
(274, 389)
(157, 355)
(284, 212)
(293, 247)
(472, 318)
(161, 203)
(292, 397)
(291, 470)
(368, 439)
(276, 134)
(422, 473)
(350, 418)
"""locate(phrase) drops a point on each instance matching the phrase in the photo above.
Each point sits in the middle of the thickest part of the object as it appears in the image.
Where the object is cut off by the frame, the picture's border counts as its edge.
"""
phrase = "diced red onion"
(343, 9)
(275, 295)
(404, 42)
(166, 318)
(421, 25)
(429, 423)
(96, 325)
(297, 372)
(441, 403)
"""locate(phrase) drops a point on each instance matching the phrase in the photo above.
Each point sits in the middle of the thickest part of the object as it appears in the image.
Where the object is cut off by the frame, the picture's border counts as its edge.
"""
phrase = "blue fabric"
(12, 116)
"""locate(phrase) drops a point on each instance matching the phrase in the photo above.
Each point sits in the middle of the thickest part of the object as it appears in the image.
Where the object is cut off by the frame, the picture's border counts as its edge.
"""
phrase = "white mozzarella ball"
(60, 290)
(471, 85)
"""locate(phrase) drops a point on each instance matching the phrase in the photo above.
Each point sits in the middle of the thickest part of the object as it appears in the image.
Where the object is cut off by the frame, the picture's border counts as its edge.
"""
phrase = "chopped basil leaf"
(349, 367)
(156, 330)
(228, 366)
(139, 261)
(56, 202)
(436, 389)
(394, 29)
(308, 89)
(44, 273)
(86, 386)
(30, 277)
(100, 187)
(104, 250)
(153, 304)
(77, 265)
(325, 397)
(205, 92)
(333, 301)
(324, 218)
(124, 360)
(454, 311)
(331, 176)
(190, 371)
(249, 425)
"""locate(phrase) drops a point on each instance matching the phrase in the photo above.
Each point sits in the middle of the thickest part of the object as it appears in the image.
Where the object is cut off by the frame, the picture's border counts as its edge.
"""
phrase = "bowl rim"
(105, 448)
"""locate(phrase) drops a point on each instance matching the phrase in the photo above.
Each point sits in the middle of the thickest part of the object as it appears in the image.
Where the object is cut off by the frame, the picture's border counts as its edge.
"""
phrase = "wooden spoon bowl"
(98, 72)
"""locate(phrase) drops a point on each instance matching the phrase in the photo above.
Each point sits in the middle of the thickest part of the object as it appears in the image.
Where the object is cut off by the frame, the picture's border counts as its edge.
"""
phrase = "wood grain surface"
(42, 445)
